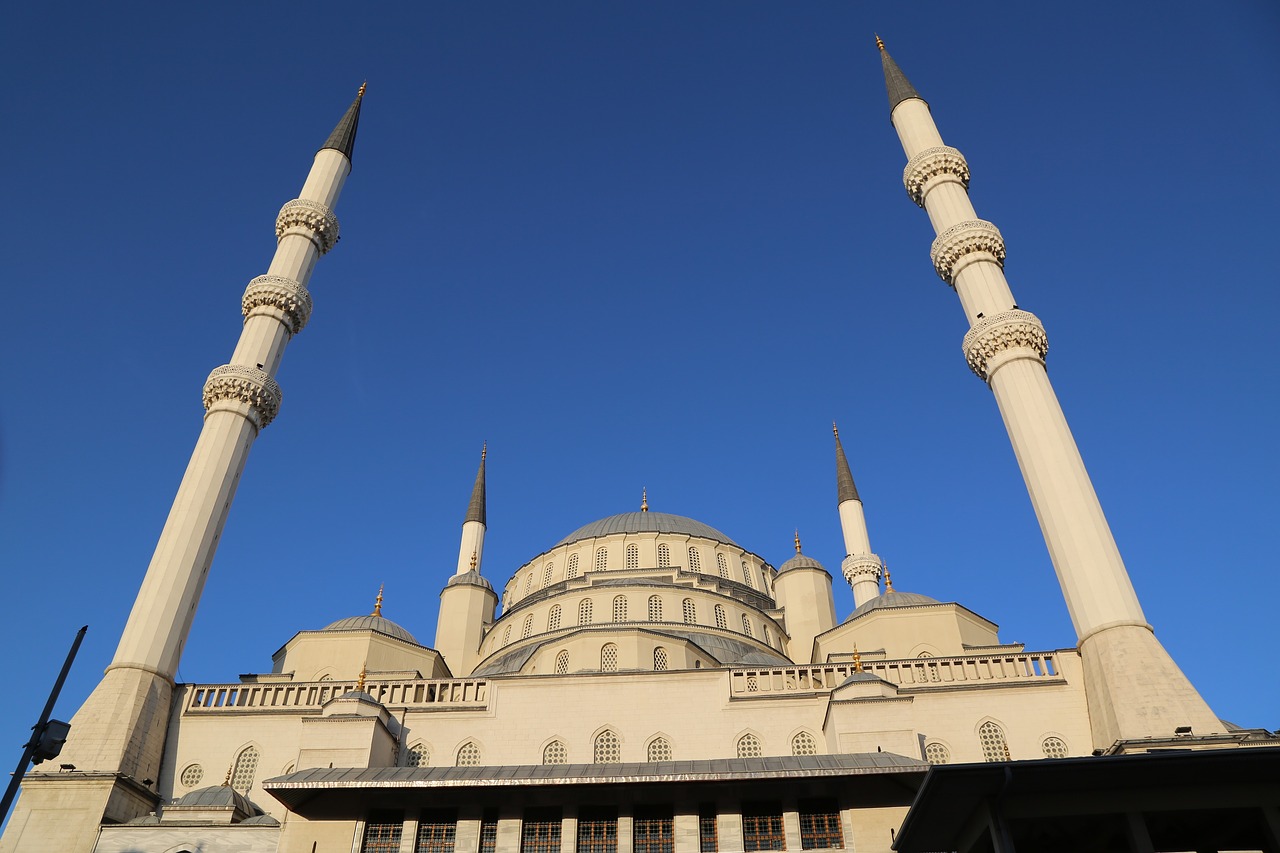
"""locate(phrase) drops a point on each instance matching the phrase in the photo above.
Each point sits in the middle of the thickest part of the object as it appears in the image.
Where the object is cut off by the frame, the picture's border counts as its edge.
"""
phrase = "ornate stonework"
(861, 567)
(250, 387)
(961, 239)
(1008, 330)
(317, 222)
(929, 163)
(289, 299)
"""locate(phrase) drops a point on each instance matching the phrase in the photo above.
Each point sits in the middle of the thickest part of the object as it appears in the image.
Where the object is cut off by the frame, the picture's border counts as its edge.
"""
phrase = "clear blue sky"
(656, 244)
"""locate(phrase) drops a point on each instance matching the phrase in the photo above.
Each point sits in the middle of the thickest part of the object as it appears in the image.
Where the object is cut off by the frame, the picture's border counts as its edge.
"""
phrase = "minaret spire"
(895, 82)
(860, 567)
(1006, 347)
(845, 488)
(343, 138)
(471, 550)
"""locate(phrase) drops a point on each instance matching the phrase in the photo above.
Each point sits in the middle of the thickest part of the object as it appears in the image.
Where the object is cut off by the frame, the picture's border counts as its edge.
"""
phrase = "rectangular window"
(597, 830)
(382, 832)
(653, 831)
(762, 827)
(820, 825)
(541, 831)
(489, 831)
(708, 835)
(436, 829)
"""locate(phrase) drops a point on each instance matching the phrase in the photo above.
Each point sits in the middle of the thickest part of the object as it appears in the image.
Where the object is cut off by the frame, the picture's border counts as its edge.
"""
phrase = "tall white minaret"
(467, 602)
(117, 736)
(1134, 688)
(861, 568)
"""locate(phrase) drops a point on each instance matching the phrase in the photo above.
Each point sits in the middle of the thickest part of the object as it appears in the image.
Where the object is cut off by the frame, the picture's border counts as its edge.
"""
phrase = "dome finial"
(857, 659)
(888, 579)
(226, 781)
(377, 602)
(484, 450)
(364, 671)
(879, 42)
(797, 540)
(473, 561)
(365, 85)
(644, 499)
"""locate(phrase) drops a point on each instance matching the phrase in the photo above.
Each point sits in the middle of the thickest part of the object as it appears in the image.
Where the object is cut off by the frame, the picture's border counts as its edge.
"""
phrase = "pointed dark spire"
(343, 137)
(895, 82)
(845, 489)
(475, 509)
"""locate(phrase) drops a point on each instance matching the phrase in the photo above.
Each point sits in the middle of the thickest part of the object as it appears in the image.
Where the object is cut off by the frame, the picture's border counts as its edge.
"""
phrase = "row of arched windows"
(609, 659)
(995, 747)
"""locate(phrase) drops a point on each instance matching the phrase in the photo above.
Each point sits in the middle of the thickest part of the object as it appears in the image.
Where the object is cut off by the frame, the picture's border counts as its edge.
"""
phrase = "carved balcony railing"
(287, 696)
(909, 675)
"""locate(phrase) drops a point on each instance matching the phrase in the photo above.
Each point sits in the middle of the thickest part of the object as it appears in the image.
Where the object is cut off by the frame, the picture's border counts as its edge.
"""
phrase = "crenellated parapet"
(942, 162)
(1003, 337)
(247, 391)
(308, 219)
(276, 296)
(957, 244)
(859, 568)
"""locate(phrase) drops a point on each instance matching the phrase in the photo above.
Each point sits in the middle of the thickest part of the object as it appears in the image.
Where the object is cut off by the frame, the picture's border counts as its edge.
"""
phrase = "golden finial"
(857, 659)
(835, 429)
(363, 85)
(377, 602)
(473, 561)
(797, 540)
(888, 580)
(226, 782)
(879, 42)
(484, 450)
(644, 500)
(364, 670)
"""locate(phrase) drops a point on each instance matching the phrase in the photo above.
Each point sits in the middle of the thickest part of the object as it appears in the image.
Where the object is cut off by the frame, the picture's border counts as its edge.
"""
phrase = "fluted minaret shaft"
(860, 567)
(471, 549)
(1006, 348)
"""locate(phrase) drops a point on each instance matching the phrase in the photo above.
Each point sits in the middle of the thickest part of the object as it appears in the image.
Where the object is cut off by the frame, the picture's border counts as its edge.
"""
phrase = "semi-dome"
(893, 599)
(646, 522)
(381, 624)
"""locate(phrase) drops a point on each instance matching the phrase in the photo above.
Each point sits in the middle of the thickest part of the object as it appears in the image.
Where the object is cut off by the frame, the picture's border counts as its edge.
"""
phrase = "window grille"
(562, 663)
(820, 825)
(584, 612)
(469, 755)
(572, 571)
(768, 640)
(655, 609)
(619, 608)
(555, 753)
(664, 556)
(553, 618)
(489, 831)
(994, 746)
(382, 832)
(936, 753)
(192, 775)
(723, 565)
(546, 574)
(804, 744)
(690, 612)
(608, 749)
(653, 832)
(746, 625)
(540, 832)
(417, 756)
(721, 620)
(609, 658)
(695, 562)
(245, 768)
(506, 634)
(659, 749)
(436, 831)
(749, 746)
(1054, 747)
(762, 827)
(633, 556)
(746, 575)
(597, 831)
(528, 583)
(602, 559)
(526, 630)
(708, 832)
(659, 659)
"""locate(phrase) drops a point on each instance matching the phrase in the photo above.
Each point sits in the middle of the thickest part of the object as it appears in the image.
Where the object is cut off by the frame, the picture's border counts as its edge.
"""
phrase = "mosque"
(646, 683)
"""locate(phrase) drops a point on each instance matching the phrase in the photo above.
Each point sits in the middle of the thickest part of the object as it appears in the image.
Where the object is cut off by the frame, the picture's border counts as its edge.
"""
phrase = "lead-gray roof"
(381, 624)
(646, 522)
(895, 82)
(343, 137)
(893, 599)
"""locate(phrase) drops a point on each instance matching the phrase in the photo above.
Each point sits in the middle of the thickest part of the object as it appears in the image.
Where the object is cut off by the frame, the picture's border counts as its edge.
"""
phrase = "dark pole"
(37, 731)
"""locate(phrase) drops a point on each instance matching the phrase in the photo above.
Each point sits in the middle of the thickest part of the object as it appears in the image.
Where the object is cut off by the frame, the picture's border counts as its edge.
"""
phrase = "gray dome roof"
(646, 522)
(860, 676)
(260, 820)
(381, 624)
(800, 561)
(893, 599)
(471, 578)
(218, 796)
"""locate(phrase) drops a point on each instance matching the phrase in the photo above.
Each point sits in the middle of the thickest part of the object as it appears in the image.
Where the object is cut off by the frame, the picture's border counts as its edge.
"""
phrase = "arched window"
(655, 609)
(584, 612)
(602, 559)
(619, 608)
(768, 641)
(245, 767)
(994, 746)
(695, 564)
(573, 566)
(562, 663)
(609, 658)
(608, 749)
(746, 575)
(659, 659)
(546, 574)
(1054, 747)
(417, 756)
(804, 744)
(690, 612)
(633, 556)
(746, 626)
(936, 753)
(659, 749)
(723, 565)
(555, 753)
(749, 746)
(664, 556)
(526, 630)
(469, 755)
(506, 634)
(528, 583)
(721, 620)
(553, 618)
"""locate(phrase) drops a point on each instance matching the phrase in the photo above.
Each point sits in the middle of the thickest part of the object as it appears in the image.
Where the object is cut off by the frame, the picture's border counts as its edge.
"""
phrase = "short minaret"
(118, 735)
(467, 602)
(1134, 688)
(802, 589)
(860, 567)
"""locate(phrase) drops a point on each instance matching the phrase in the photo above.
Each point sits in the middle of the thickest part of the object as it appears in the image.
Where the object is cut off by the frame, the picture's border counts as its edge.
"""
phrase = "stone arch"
(658, 748)
(937, 751)
(804, 743)
(749, 745)
(992, 739)
(562, 662)
(609, 657)
(418, 755)
(606, 747)
(245, 767)
(468, 754)
(554, 751)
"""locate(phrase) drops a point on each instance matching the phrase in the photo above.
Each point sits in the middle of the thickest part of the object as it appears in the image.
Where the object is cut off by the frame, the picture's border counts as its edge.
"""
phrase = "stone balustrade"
(909, 675)
(288, 696)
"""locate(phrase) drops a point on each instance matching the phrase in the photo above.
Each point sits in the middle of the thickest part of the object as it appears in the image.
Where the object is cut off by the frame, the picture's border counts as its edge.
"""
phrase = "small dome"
(151, 819)
(260, 820)
(358, 694)
(800, 561)
(860, 676)
(471, 578)
(646, 522)
(217, 796)
(893, 599)
(381, 624)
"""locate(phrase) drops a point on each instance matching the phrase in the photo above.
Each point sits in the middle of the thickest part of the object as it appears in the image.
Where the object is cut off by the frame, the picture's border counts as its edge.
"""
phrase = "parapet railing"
(311, 695)
(913, 673)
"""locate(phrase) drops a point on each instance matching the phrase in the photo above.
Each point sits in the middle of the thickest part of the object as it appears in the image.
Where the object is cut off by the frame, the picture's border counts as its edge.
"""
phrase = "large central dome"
(645, 522)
